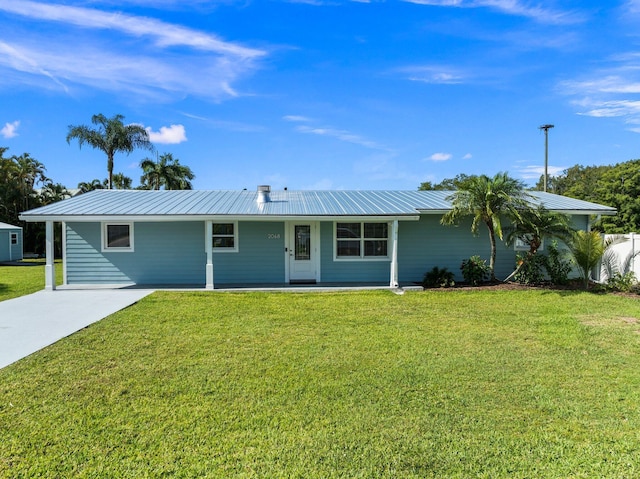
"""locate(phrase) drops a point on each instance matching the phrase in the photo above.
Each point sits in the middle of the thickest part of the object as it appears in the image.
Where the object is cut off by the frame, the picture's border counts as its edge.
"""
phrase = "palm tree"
(486, 200)
(28, 171)
(110, 137)
(587, 249)
(86, 186)
(121, 182)
(166, 172)
(532, 224)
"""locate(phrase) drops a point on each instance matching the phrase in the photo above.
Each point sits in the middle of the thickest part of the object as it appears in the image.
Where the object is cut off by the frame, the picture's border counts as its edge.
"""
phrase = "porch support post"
(209, 250)
(393, 283)
(49, 269)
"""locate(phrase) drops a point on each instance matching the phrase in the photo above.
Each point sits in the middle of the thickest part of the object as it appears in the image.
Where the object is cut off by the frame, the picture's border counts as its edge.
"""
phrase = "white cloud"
(165, 34)
(468, 156)
(437, 74)
(121, 53)
(510, 7)
(10, 129)
(612, 92)
(296, 118)
(341, 135)
(168, 135)
(440, 157)
(533, 172)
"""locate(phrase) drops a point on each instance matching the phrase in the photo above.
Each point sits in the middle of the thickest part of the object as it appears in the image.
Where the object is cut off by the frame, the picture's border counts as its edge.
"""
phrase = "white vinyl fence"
(621, 257)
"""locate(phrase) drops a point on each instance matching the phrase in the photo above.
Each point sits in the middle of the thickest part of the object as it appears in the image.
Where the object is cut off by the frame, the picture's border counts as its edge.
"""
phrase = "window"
(225, 237)
(14, 238)
(117, 237)
(361, 240)
(520, 245)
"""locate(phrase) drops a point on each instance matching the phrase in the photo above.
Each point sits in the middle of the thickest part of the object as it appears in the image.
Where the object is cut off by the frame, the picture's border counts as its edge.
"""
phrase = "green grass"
(442, 384)
(20, 280)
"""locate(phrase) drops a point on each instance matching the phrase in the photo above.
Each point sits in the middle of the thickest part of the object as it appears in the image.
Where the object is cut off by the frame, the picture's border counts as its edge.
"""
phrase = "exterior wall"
(342, 271)
(174, 253)
(426, 243)
(260, 258)
(9, 252)
(164, 253)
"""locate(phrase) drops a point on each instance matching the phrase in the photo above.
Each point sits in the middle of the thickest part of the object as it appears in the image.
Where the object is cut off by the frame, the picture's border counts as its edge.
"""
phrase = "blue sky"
(325, 94)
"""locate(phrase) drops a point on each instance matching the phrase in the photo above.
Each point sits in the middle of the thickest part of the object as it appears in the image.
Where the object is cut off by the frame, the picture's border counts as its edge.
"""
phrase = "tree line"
(616, 185)
(24, 184)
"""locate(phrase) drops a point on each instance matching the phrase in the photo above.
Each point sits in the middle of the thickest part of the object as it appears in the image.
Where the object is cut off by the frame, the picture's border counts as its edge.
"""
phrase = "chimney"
(263, 193)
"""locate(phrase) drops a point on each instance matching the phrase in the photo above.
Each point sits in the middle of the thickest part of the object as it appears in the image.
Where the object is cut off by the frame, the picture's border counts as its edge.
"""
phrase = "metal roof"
(195, 203)
(7, 226)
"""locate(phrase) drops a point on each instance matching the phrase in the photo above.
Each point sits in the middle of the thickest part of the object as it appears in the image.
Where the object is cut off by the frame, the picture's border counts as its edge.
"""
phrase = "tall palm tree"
(166, 172)
(110, 137)
(486, 200)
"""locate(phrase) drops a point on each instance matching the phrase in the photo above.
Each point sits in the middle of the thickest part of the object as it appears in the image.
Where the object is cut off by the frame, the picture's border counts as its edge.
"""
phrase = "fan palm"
(486, 200)
(111, 136)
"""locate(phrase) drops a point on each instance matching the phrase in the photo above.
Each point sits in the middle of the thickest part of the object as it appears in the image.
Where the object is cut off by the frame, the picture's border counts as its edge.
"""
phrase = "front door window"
(302, 242)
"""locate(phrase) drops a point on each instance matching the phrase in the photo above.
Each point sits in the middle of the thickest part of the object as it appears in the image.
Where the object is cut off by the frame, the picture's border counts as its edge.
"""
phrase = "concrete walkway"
(30, 323)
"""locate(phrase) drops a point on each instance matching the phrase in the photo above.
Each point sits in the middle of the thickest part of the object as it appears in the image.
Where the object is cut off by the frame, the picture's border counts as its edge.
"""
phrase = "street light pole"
(546, 153)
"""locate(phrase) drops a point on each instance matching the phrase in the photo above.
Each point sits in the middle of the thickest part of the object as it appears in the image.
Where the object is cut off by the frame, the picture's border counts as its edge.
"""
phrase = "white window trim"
(362, 257)
(108, 249)
(236, 246)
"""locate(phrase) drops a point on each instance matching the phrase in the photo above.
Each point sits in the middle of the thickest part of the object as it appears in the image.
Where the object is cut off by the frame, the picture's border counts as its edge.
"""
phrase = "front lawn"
(26, 279)
(442, 384)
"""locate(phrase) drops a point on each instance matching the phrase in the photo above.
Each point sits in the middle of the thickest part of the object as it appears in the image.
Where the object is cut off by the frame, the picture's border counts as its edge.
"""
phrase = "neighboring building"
(10, 242)
(223, 238)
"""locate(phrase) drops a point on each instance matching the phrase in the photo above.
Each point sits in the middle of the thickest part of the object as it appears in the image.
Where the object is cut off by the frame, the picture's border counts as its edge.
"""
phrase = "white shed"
(10, 242)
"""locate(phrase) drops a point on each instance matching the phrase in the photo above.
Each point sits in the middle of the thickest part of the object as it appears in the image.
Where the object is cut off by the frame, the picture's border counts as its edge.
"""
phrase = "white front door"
(304, 252)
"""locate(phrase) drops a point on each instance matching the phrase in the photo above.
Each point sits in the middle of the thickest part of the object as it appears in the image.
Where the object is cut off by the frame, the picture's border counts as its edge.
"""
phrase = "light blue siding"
(426, 243)
(361, 271)
(9, 252)
(260, 257)
(174, 253)
(165, 253)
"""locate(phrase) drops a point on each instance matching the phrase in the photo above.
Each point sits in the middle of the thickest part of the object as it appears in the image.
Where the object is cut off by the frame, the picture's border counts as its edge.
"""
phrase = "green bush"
(531, 268)
(622, 282)
(557, 265)
(474, 270)
(438, 278)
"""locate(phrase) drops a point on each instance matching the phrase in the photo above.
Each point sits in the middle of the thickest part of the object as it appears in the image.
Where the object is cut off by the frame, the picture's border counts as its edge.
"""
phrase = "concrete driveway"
(30, 323)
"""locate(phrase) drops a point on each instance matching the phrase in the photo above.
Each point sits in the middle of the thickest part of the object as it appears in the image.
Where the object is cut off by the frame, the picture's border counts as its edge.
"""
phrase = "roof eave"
(210, 217)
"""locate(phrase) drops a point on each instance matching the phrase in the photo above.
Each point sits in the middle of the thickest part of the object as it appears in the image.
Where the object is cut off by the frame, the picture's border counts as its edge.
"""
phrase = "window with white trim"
(225, 237)
(14, 238)
(117, 237)
(361, 240)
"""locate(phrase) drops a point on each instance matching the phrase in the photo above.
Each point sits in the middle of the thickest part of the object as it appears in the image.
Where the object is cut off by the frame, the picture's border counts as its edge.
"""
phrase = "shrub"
(474, 270)
(438, 278)
(557, 265)
(622, 282)
(530, 268)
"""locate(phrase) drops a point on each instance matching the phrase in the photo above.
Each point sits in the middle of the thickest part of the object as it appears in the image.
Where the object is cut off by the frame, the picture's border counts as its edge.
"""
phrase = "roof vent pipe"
(263, 193)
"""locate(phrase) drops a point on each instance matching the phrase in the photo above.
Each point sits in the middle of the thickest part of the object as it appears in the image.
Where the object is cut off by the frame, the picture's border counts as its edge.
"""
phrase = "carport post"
(49, 269)
(208, 247)
(393, 283)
